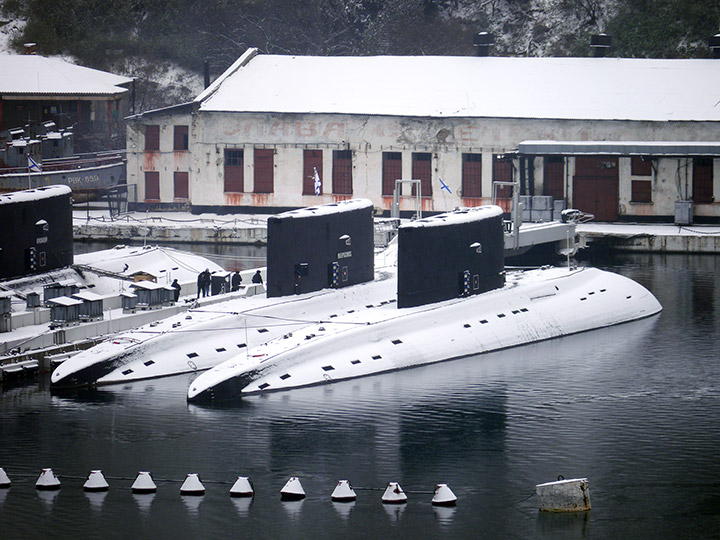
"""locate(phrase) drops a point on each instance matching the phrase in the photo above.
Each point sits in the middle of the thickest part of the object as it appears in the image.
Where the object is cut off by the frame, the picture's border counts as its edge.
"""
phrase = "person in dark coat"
(235, 281)
(175, 285)
(200, 281)
(257, 278)
(206, 281)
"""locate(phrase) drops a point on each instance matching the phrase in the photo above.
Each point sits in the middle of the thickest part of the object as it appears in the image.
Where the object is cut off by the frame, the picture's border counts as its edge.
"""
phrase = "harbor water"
(634, 408)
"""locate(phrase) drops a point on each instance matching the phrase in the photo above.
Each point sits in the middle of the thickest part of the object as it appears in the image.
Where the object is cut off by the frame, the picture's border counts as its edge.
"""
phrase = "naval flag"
(444, 186)
(318, 184)
(33, 166)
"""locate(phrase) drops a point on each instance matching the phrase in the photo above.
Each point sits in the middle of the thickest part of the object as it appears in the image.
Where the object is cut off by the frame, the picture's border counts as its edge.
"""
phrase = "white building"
(621, 138)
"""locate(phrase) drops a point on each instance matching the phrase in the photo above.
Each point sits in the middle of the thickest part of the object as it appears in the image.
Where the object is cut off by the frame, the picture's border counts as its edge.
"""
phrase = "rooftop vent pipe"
(600, 44)
(483, 41)
(714, 44)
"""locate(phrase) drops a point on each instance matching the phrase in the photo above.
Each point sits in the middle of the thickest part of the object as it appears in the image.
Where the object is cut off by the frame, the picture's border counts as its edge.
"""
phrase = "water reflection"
(634, 408)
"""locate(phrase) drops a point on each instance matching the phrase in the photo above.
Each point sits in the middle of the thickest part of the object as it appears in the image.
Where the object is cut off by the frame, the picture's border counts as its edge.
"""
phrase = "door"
(595, 186)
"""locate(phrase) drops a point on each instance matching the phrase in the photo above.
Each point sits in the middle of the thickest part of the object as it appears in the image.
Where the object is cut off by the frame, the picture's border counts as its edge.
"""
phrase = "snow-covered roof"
(32, 74)
(87, 295)
(29, 195)
(326, 209)
(466, 215)
(467, 86)
(65, 301)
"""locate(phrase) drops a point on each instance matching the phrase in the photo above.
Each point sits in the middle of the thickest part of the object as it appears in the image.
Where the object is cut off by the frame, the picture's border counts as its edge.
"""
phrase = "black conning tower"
(320, 247)
(450, 255)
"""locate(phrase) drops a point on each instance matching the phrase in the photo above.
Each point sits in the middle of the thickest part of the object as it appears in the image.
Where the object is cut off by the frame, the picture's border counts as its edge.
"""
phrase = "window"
(391, 171)
(234, 171)
(263, 178)
(342, 172)
(472, 175)
(702, 180)
(180, 138)
(422, 170)
(502, 172)
(640, 166)
(152, 186)
(180, 182)
(641, 191)
(152, 138)
(312, 161)
(554, 177)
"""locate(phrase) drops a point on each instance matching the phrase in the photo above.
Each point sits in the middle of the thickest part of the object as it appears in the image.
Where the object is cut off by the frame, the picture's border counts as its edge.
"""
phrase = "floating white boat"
(530, 306)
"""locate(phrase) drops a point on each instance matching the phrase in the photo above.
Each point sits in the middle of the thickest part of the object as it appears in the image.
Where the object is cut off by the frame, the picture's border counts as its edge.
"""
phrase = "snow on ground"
(8, 32)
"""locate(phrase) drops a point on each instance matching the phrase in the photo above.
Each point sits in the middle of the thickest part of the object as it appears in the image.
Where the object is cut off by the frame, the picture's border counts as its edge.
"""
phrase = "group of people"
(204, 281)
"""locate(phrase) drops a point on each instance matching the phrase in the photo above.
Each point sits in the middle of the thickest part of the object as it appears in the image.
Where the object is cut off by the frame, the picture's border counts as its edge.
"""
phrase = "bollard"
(242, 487)
(144, 483)
(293, 490)
(96, 482)
(443, 496)
(394, 494)
(343, 492)
(192, 485)
(47, 480)
(4, 479)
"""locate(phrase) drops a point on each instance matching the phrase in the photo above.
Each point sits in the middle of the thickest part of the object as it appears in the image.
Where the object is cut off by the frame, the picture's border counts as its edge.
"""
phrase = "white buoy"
(4, 479)
(144, 483)
(96, 482)
(394, 494)
(47, 480)
(443, 496)
(192, 485)
(293, 490)
(242, 487)
(564, 495)
(343, 492)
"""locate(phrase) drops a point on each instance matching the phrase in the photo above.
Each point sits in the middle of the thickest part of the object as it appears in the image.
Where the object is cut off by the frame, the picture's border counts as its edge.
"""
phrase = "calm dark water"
(633, 408)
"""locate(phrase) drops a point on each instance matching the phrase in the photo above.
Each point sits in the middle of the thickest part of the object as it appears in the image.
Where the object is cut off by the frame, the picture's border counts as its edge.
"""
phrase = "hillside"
(164, 43)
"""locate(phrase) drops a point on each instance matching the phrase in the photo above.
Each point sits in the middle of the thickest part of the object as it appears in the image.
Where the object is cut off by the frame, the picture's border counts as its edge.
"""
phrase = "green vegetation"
(135, 37)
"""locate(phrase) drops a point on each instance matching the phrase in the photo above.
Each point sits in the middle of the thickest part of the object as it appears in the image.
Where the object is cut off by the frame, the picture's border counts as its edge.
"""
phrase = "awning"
(620, 148)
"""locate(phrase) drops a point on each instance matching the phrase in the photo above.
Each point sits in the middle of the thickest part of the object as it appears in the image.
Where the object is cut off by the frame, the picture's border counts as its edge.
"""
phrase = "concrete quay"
(170, 227)
(182, 227)
(650, 238)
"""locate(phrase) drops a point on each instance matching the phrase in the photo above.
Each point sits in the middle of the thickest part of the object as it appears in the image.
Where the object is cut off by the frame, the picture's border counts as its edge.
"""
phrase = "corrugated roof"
(32, 74)
(432, 86)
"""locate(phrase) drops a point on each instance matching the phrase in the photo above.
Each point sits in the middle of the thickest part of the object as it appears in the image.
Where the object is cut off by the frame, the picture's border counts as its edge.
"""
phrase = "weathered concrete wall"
(369, 136)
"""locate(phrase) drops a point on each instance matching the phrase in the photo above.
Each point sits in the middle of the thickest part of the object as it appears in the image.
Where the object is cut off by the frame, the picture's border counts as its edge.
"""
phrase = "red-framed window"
(152, 138)
(181, 185)
(234, 170)
(152, 186)
(472, 175)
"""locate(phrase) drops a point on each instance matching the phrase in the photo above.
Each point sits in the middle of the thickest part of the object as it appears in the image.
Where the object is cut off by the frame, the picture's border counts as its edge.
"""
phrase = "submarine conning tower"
(320, 247)
(450, 255)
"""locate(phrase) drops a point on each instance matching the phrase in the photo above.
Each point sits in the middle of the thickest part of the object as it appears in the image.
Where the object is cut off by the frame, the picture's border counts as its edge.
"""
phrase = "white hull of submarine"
(305, 283)
(523, 307)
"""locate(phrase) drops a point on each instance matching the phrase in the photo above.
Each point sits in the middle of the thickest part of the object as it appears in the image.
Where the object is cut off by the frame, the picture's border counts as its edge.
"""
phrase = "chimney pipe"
(600, 44)
(483, 41)
(29, 48)
(206, 73)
